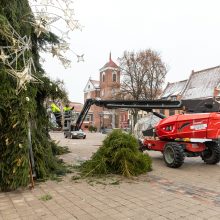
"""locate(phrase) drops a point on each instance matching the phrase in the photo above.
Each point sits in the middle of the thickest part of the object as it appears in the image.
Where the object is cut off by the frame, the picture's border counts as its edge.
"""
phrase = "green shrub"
(92, 128)
(118, 154)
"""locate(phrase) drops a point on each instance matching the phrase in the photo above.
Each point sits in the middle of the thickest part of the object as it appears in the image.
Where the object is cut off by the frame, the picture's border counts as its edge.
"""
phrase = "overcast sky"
(185, 32)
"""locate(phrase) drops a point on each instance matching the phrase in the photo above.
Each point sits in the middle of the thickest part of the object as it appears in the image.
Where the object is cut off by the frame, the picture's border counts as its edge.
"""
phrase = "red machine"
(178, 136)
(188, 135)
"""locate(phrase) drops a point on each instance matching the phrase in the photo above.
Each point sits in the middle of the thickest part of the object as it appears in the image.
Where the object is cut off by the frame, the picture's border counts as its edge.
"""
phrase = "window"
(113, 91)
(103, 77)
(88, 86)
(89, 117)
(114, 77)
(103, 92)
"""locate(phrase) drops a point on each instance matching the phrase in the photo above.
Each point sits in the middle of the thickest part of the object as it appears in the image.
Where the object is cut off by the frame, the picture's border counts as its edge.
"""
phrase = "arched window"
(113, 91)
(114, 77)
(103, 77)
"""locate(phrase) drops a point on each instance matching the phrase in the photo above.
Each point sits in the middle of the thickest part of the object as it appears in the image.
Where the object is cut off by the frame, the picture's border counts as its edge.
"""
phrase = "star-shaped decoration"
(55, 50)
(69, 12)
(23, 77)
(20, 46)
(26, 43)
(64, 46)
(80, 58)
(66, 63)
(3, 57)
(73, 24)
(40, 27)
(66, 35)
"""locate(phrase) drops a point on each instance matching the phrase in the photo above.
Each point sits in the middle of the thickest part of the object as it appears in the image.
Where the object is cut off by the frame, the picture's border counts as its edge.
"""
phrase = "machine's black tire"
(212, 154)
(173, 155)
(141, 147)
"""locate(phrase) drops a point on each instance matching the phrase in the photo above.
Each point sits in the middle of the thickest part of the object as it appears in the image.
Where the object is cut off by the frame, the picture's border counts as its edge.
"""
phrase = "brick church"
(106, 88)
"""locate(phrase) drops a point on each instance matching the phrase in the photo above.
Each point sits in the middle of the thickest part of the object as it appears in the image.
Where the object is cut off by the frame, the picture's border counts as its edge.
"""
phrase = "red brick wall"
(108, 84)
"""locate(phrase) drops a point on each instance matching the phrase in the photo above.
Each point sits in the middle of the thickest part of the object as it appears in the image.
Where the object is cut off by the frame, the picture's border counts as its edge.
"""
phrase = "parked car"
(75, 134)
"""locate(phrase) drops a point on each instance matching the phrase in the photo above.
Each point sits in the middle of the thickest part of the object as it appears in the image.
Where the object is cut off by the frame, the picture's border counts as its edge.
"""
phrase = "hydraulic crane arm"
(145, 105)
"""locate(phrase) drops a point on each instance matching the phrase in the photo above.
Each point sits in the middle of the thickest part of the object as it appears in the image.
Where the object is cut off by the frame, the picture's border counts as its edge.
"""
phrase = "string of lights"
(45, 18)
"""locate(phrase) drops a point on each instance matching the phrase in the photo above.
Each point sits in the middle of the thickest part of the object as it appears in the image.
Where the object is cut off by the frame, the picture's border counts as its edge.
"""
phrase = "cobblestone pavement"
(191, 192)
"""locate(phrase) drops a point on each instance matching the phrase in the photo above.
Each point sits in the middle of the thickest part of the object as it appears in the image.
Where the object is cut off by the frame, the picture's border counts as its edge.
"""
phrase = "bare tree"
(143, 74)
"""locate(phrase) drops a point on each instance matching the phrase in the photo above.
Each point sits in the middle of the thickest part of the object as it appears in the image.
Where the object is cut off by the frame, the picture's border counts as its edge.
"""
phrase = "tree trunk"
(135, 118)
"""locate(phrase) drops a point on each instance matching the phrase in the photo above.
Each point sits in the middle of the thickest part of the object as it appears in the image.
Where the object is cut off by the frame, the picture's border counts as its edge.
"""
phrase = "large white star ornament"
(40, 27)
(23, 77)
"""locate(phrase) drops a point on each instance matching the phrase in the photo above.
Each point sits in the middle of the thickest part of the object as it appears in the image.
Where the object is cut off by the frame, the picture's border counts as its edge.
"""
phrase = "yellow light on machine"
(186, 139)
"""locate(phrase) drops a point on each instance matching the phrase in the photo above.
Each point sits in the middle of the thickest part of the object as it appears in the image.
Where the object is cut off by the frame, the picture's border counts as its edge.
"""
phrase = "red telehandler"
(177, 136)
(186, 135)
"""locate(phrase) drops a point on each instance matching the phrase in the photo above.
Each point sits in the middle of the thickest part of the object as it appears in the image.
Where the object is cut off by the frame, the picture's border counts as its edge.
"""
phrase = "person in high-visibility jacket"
(67, 108)
(55, 108)
(56, 111)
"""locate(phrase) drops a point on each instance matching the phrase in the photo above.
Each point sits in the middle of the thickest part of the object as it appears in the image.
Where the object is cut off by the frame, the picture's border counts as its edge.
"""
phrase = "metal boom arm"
(145, 105)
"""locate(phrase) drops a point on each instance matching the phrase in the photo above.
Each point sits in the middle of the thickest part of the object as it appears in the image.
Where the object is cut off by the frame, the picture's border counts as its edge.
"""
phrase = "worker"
(55, 108)
(67, 108)
(56, 111)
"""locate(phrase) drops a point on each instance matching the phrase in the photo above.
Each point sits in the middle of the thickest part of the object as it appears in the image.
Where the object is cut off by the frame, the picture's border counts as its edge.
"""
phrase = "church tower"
(109, 80)
(109, 87)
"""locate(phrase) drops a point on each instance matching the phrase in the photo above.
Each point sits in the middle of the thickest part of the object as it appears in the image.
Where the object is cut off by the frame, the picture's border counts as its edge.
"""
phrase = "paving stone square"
(190, 192)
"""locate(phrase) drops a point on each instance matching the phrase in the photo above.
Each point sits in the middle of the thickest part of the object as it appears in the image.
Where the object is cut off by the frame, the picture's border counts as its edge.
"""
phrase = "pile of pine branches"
(118, 154)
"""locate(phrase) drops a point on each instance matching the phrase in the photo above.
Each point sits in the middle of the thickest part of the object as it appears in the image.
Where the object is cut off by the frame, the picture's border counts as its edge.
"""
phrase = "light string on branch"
(43, 20)
(19, 48)
(24, 76)
(47, 13)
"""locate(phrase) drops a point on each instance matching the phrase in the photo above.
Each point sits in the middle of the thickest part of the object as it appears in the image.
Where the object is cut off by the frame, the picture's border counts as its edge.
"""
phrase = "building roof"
(173, 89)
(109, 64)
(95, 83)
(202, 84)
(91, 85)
